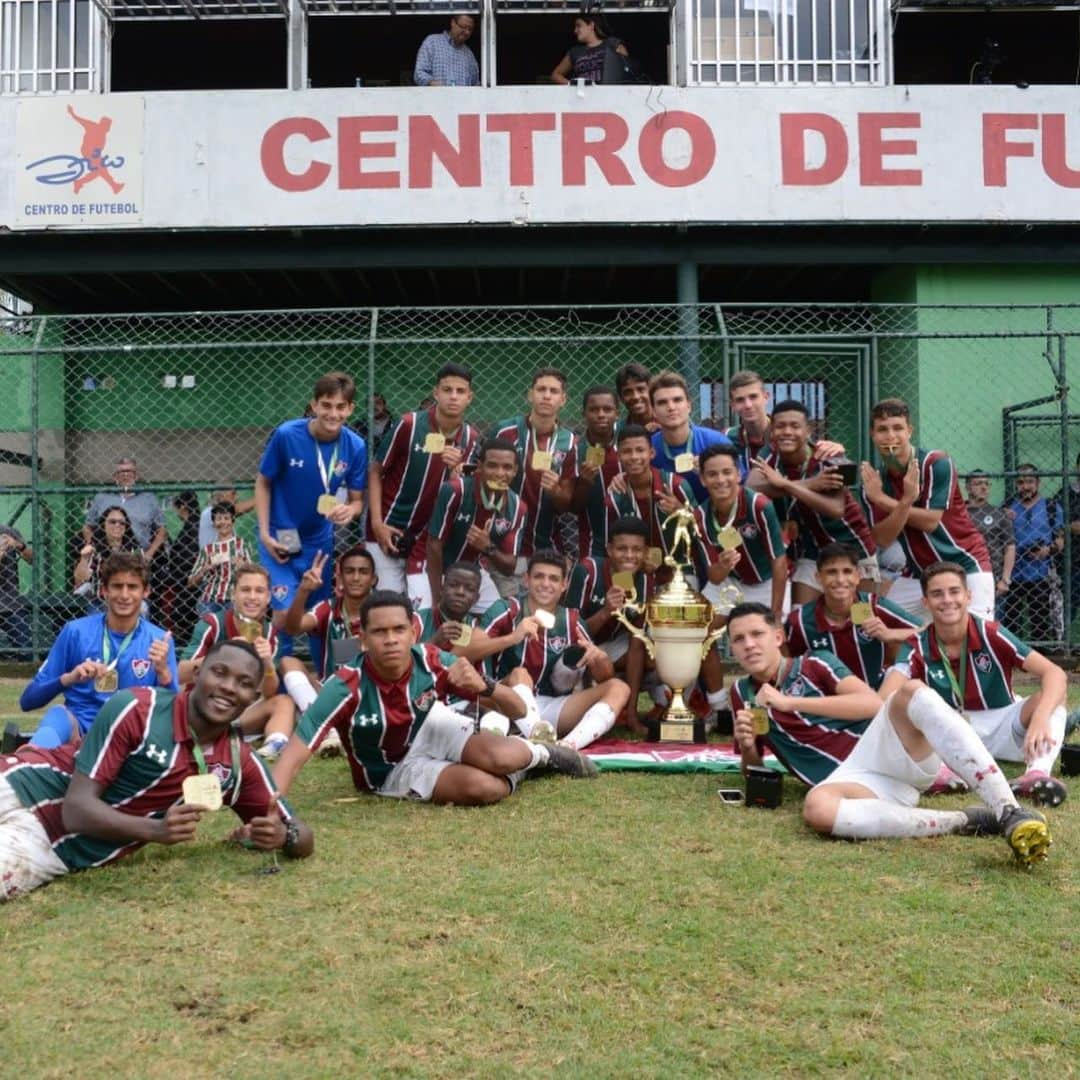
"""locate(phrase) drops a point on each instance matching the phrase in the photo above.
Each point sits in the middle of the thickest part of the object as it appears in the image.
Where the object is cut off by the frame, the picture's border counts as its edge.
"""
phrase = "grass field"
(631, 926)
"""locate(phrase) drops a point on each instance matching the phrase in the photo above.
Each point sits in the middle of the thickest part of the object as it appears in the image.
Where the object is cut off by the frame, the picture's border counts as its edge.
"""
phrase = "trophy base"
(684, 731)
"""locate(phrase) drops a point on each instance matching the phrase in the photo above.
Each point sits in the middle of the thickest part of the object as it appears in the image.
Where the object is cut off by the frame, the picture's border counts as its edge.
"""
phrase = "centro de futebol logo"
(90, 164)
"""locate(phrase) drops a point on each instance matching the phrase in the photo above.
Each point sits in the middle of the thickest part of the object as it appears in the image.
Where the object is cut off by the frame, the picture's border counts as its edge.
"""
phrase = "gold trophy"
(677, 619)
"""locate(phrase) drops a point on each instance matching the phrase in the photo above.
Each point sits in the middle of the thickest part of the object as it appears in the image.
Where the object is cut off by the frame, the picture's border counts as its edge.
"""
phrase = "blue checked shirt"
(440, 59)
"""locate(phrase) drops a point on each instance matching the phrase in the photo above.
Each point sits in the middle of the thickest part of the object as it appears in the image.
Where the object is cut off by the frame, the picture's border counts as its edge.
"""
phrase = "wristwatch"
(489, 686)
(292, 837)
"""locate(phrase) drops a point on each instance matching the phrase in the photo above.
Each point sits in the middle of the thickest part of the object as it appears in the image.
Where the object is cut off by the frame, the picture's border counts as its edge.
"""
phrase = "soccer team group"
(460, 647)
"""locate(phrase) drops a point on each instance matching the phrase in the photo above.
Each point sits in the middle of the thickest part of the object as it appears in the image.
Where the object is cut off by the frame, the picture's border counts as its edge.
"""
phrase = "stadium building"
(207, 204)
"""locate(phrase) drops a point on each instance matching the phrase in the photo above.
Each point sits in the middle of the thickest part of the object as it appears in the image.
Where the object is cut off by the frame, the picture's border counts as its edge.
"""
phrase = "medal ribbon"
(326, 472)
(958, 685)
(234, 756)
(731, 517)
(497, 501)
(106, 650)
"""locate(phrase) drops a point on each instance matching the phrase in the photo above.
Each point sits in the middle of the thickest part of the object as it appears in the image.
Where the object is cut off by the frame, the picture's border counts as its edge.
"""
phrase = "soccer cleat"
(981, 821)
(1041, 788)
(331, 746)
(542, 732)
(946, 783)
(568, 761)
(1027, 834)
(270, 750)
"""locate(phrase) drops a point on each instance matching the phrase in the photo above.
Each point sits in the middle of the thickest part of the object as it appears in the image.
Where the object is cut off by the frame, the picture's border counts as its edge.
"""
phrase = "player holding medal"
(95, 656)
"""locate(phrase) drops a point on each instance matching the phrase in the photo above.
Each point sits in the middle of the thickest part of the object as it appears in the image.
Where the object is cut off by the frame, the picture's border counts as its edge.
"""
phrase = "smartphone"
(730, 795)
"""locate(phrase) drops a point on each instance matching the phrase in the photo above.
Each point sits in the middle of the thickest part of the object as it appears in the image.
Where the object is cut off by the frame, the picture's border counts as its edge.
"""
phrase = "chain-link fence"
(192, 397)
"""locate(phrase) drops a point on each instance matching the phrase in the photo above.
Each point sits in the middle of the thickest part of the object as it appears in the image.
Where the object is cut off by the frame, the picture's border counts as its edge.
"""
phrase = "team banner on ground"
(540, 155)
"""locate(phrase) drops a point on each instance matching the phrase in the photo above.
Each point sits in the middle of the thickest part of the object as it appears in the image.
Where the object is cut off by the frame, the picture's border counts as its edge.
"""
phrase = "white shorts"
(440, 743)
(880, 762)
(806, 574)
(760, 593)
(549, 708)
(27, 859)
(907, 593)
(617, 647)
(1001, 731)
(389, 571)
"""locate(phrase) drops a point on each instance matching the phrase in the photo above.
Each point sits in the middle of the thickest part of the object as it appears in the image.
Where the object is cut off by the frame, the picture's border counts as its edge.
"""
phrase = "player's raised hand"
(743, 729)
(267, 832)
(179, 824)
(871, 481)
(912, 479)
(464, 676)
(549, 480)
(87, 671)
(158, 654)
(446, 635)
(451, 457)
(826, 448)
(527, 628)
(278, 551)
(262, 647)
(615, 599)
(313, 575)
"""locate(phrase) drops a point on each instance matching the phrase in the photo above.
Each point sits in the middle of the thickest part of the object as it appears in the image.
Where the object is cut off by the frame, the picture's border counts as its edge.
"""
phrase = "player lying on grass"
(128, 784)
(868, 759)
(401, 739)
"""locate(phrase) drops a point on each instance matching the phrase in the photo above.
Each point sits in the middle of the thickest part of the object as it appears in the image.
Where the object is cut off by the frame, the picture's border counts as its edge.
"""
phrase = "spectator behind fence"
(445, 59)
(1038, 527)
(141, 507)
(214, 566)
(13, 623)
(381, 420)
(996, 525)
(183, 551)
(207, 532)
(597, 57)
(111, 535)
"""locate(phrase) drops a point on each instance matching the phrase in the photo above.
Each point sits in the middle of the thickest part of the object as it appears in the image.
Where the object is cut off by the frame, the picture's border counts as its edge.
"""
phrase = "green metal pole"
(1063, 406)
(38, 542)
(689, 346)
(371, 379)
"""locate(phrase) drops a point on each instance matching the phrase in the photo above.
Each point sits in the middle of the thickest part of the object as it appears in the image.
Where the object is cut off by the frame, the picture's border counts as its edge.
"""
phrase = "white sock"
(598, 719)
(532, 710)
(539, 752)
(960, 748)
(1045, 762)
(718, 699)
(299, 688)
(875, 819)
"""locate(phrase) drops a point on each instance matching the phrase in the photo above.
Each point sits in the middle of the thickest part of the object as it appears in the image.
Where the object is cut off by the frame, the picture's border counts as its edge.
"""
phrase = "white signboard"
(541, 155)
(78, 161)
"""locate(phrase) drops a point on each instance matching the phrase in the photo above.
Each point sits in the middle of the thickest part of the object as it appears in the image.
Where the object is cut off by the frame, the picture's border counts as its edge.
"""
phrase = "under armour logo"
(937, 675)
(819, 643)
(154, 754)
(367, 720)
(296, 463)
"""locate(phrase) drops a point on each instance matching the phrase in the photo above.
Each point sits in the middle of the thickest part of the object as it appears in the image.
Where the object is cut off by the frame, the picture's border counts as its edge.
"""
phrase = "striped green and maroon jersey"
(140, 749)
(590, 581)
(816, 530)
(459, 506)
(221, 559)
(427, 621)
(955, 539)
(537, 655)
(809, 631)
(762, 541)
(331, 625)
(540, 513)
(377, 719)
(808, 746)
(410, 476)
(224, 626)
(993, 655)
(748, 449)
(648, 508)
(593, 519)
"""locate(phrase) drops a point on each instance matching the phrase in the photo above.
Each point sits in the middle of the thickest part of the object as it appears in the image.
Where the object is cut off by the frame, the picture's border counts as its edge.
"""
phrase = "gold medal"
(203, 790)
(625, 580)
(684, 463)
(760, 720)
(541, 460)
(249, 629)
(108, 682)
(218, 558)
(545, 619)
(464, 636)
(326, 504)
(730, 538)
(653, 558)
(434, 443)
(497, 485)
(595, 455)
(860, 612)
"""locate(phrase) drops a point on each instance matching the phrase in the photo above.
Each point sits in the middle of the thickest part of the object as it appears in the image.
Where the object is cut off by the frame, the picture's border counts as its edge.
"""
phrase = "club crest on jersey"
(279, 592)
(425, 700)
(340, 467)
(501, 525)
(749, 530)
(982, 661)
(557, 459)
(223, 774)
(140, 667)
(797, 688)
(557, 644)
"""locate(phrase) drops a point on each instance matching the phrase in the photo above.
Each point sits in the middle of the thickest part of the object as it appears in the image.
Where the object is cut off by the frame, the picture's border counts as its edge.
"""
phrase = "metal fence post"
(372, 335)
(689, 346)
(40, 548)
(1063, 405)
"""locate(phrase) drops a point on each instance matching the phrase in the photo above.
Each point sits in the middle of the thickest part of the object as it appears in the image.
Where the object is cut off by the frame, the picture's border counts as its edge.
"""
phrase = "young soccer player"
(592, 465)
(679, 443)
(543, 446)
(915, 498)
(248, 619)
(401, 739)
(217, 561)
(632, 386)
(454, 616)
(94, 657)
(868, 759)
(476, 518)
(739, 535)
(809, 494)
(304, 468)
(644, 491)
(63, 810)
(414, 458)
(865, 631)
(969, 661)
(556, 659)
